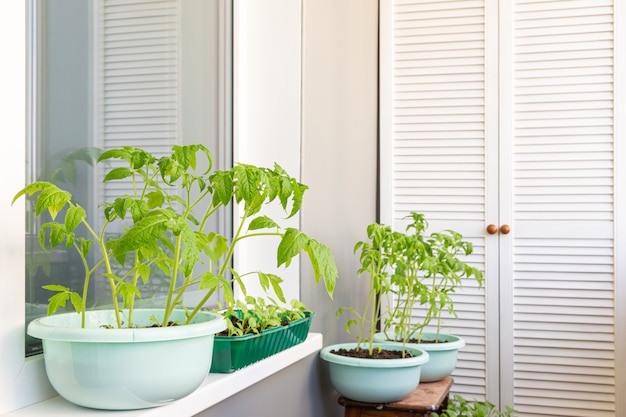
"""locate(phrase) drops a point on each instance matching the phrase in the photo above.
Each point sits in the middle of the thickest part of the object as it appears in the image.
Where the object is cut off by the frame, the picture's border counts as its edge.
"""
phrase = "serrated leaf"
(264, 280)
(155, 199)
(208, 281)
(73, 217)
(123, 153)
(298, 194)
(275, 282)
(138, 209)
(54, 287)
(53, 199)
(128, 292)
(190, 253)
(246, 183)
(117, 174)
(77, 301)
(222, 185)
(324, 265)
(291, 244)
(55, 231)
(144, 233)
(31, 189)
(144, 272)
(57, 301)
(286, 190)
(262, 222)
(85, 246)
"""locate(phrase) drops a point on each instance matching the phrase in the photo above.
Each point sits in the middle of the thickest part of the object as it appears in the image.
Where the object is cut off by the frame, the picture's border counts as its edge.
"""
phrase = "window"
(107, 74)
(267, 126)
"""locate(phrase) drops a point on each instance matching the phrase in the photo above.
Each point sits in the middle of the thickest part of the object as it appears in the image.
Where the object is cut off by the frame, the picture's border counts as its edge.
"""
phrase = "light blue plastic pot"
(123, 369)
(443, 356)
(374, 380)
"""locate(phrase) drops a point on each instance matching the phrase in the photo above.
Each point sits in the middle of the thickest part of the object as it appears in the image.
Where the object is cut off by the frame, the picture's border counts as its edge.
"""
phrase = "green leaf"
(73, 217)
(155, 199)
(144, 233)
(138, 209)
(77, 301)
(57, 301)
(222, 183)
(275, 281)
(31, 189)
(291, 244)
(117, 174)
(56, 231)
(54, 287)
(128, 292)
(123, 153)
(208, 280)
(263, 222)
(324, 265)
(144, 272)
(246, 178)
(190, 253)
(286, 190)
(53, 199)
(298, 194)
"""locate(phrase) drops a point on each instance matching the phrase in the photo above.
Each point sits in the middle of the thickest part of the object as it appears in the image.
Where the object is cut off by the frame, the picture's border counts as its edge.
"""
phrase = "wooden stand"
(428, 397)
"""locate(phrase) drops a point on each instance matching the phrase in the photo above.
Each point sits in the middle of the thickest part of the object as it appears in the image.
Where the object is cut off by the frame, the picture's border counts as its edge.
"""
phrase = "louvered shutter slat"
(137, 69)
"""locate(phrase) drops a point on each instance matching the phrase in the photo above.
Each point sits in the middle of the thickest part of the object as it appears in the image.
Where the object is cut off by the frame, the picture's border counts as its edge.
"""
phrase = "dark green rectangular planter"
(231, 353)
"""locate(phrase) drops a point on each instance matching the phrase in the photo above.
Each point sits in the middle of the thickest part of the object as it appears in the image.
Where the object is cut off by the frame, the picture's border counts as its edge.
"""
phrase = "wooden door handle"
(492, 229)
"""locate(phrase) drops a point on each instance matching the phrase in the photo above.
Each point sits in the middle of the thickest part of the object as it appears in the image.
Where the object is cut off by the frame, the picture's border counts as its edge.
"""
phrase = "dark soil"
(376, 354)
(427, 342)
(169, 324)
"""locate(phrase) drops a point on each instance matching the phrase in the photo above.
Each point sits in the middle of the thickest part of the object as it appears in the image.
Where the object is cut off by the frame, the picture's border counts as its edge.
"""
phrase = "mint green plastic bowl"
(374, 380)
(123, 369)
(443, 356)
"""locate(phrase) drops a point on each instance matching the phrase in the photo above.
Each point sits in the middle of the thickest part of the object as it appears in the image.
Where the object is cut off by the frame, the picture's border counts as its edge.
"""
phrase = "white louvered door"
(502, 112)
(562, 208)
(162, 77)
(137, 69)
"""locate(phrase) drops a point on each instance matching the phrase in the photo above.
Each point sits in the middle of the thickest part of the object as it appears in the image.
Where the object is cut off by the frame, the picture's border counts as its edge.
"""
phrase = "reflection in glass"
(105, 74)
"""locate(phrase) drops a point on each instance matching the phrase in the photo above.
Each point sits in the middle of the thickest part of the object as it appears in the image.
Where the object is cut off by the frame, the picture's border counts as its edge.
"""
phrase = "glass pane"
(108, 74)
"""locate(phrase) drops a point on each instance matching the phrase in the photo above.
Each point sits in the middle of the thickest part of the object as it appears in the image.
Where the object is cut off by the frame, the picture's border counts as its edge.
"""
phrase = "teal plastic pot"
(123, 369)
(443, 355)
(374, 380)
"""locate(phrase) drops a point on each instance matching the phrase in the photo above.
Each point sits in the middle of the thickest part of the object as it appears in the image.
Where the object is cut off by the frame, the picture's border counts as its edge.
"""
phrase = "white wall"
(337, 151)
(339, 154)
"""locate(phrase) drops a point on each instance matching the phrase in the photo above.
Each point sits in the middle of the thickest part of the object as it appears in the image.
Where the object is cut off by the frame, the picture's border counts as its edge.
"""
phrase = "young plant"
(165, 234)
(460, 407)
(255, 315)
(376, 257)
(427, 271)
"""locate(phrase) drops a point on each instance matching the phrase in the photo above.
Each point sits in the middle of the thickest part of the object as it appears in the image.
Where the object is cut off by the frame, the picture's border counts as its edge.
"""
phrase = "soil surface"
(427, 342)
(376, 354)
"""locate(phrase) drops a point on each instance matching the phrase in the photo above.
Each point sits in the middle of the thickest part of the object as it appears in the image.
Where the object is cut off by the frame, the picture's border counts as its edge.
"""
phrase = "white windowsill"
(216, 387)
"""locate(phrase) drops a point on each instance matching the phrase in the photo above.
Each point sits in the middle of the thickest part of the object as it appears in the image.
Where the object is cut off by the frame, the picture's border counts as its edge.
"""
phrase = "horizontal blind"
(438, 145)
(563, 281)
(138, 78)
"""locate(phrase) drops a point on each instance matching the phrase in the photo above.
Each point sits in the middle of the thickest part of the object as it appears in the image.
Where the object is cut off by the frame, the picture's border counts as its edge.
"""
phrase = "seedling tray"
(231, 353)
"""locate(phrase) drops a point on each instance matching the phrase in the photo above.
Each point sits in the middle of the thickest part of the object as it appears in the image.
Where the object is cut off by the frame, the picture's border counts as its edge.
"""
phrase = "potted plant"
(460, 407)
(155, 231)
(366, 370)
(426, 271)
(256, 330)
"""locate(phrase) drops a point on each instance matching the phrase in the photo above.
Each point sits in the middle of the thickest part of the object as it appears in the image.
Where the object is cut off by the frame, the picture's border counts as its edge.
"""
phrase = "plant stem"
(229, 255)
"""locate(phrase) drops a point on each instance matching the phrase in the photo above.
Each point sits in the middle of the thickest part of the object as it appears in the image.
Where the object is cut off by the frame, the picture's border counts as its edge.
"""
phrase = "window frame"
(266, 102)
(23, 380)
